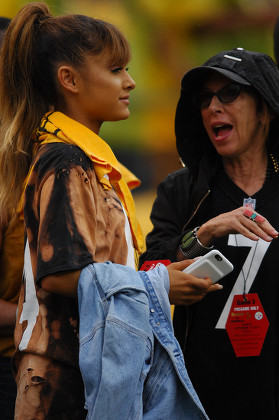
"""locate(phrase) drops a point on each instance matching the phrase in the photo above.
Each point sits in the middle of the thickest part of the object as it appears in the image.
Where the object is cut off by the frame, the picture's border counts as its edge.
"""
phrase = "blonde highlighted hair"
(35, 44)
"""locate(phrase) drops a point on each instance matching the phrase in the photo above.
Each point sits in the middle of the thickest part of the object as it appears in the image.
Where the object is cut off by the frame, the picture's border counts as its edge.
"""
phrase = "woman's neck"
(247, 172)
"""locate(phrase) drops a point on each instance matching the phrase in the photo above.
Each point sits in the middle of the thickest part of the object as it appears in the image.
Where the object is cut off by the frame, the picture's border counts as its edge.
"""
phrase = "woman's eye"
(117, 70)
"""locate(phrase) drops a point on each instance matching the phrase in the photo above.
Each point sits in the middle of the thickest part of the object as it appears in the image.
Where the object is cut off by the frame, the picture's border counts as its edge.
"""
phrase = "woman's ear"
(67, 78)
(265, 116)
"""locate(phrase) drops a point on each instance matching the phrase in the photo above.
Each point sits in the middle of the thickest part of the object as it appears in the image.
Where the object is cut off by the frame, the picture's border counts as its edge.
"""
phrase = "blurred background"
(167, 37)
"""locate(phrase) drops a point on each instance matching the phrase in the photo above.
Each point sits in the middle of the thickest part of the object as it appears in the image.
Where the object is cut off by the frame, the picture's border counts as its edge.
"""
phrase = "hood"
(242, 66)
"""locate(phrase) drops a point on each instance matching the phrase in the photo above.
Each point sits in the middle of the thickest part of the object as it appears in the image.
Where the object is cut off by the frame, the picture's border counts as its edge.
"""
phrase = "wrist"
(191, 246)
(205, 236)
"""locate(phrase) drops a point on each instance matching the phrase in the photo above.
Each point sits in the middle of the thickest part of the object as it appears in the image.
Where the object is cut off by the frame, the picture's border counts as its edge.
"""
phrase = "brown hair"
(35, 44)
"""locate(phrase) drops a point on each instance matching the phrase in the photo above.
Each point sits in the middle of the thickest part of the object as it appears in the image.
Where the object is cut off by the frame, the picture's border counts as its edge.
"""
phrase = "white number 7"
(250, 267)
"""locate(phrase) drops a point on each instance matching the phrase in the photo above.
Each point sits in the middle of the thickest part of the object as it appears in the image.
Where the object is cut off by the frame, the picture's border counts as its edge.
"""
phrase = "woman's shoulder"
(54, 156)
(177, 179)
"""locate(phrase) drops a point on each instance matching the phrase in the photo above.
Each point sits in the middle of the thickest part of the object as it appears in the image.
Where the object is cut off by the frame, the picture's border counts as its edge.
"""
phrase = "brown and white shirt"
(71, 221)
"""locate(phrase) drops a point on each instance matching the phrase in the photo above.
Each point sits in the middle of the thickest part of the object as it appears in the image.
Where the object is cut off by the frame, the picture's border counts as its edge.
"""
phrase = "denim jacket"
(131, 363)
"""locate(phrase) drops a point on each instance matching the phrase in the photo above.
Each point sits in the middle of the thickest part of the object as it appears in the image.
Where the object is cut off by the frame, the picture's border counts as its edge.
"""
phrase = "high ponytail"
(21, 106)
(36, 43)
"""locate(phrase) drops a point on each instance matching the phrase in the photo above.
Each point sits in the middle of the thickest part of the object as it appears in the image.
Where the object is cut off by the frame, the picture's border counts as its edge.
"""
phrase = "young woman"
(61, 78)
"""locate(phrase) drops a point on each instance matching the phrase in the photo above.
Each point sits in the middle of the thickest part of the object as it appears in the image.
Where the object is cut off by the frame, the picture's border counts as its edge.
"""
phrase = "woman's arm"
(222, 225)
(62, 283)
(7, 317)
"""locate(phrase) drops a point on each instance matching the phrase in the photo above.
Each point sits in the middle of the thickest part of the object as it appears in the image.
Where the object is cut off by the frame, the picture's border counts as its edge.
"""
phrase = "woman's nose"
(215, 104)
(130, 83)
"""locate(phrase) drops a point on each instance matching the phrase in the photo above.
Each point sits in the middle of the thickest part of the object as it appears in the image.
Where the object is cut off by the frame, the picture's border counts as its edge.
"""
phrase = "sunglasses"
(225, 95)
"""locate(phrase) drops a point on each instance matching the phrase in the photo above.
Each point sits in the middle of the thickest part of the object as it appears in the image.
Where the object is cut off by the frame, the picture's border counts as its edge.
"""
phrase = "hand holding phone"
(213, 265)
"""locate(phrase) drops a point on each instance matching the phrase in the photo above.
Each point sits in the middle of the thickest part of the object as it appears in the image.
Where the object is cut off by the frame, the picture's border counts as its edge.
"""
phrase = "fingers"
(252, 231)
(242, 220)
(186, 289)
(214, 287)
(258, 225)
(252, 215)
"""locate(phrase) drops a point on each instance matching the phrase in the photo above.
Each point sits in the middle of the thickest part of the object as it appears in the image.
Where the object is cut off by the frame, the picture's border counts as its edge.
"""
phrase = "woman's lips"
(221, 131)
(125, 99)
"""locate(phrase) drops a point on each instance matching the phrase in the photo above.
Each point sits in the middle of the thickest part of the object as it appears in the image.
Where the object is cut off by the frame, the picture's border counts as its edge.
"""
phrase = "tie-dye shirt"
(71, 221)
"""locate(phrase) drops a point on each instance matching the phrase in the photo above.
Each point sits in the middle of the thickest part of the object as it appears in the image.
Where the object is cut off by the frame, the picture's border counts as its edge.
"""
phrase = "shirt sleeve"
(64, 211)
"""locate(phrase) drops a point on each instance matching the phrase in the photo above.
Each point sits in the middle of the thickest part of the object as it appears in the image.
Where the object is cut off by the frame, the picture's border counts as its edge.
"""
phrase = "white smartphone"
(213, 265)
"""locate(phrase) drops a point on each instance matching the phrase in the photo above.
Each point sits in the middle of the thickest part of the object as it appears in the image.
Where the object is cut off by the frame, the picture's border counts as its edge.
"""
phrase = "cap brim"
(197, 73)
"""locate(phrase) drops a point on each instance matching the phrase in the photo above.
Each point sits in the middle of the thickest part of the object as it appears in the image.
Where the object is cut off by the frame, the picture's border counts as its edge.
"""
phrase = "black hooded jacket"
(185, 200)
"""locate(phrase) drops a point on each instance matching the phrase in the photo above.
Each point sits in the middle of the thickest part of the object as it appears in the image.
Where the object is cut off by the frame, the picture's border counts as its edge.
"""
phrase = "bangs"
(117, 46)
(119, 55)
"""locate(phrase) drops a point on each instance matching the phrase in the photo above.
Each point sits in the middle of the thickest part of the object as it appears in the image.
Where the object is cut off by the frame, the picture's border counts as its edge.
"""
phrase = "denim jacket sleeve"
(119, 351)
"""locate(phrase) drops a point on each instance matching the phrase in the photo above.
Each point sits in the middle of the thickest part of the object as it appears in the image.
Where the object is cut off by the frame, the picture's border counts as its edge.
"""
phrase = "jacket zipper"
(197, 208)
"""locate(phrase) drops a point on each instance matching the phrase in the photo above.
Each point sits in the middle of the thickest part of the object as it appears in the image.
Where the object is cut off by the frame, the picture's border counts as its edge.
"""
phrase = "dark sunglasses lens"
(228, 93)
(225, 95)
(204, 99)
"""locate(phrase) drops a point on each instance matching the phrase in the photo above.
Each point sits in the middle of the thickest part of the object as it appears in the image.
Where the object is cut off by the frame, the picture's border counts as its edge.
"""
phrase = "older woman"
(227, 196)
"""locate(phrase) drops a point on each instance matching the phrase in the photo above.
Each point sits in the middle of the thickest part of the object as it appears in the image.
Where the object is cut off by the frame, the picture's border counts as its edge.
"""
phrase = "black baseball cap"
(249, 68)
